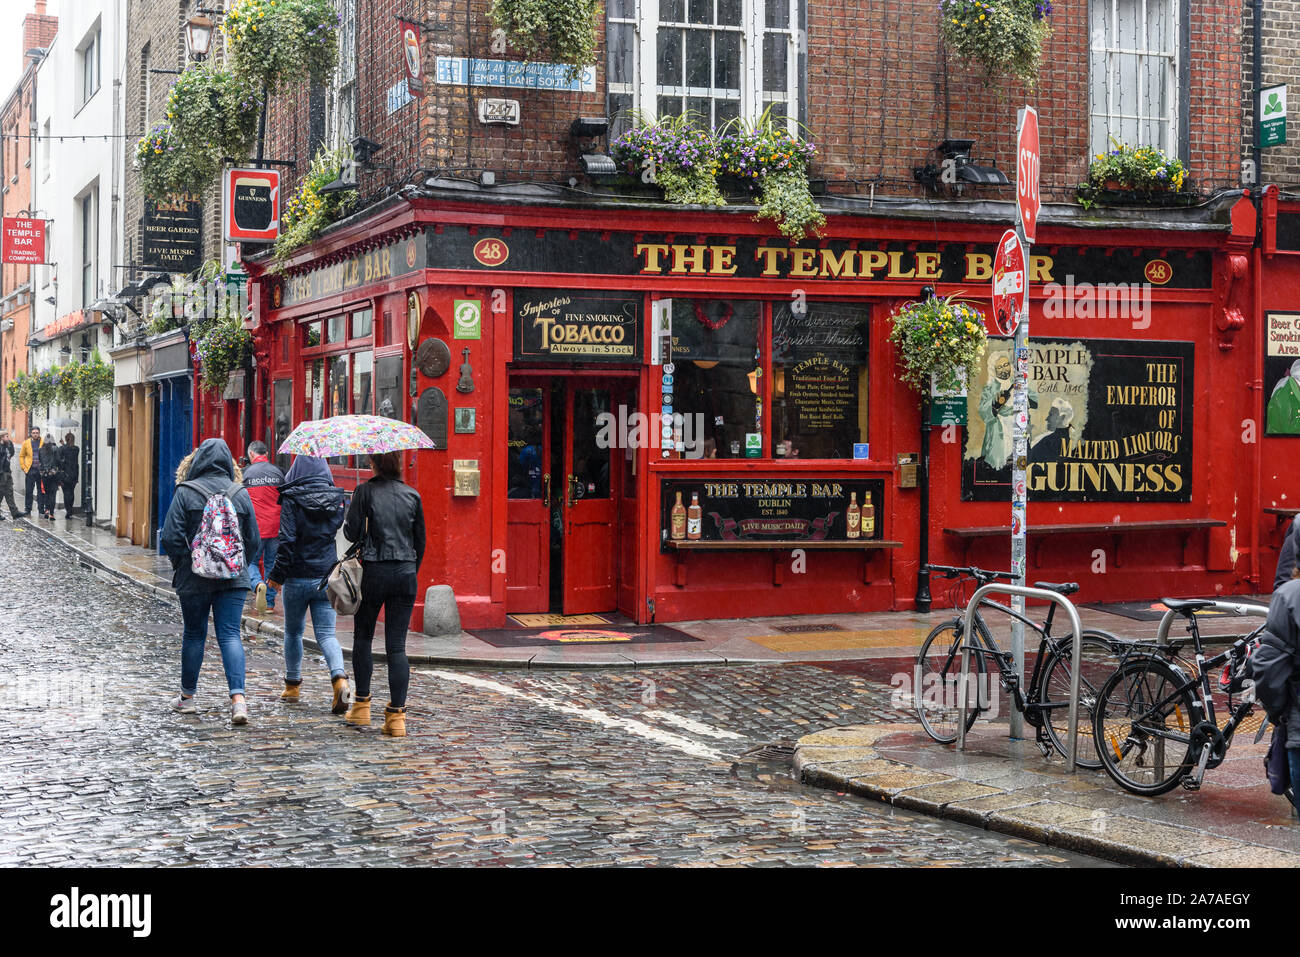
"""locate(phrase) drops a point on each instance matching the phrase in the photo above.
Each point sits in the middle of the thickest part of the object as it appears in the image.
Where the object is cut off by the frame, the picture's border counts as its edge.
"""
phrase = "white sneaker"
(259, 603)
(239, 712)
(184, 705)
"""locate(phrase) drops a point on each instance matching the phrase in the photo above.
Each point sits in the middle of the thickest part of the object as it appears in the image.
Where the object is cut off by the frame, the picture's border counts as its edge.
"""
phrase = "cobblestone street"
(643, 767)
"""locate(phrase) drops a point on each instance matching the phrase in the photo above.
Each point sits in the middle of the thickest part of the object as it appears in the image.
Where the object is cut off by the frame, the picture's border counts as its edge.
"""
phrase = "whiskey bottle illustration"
(679, 520)
(869, 517)
(854, 518)
(694, 518)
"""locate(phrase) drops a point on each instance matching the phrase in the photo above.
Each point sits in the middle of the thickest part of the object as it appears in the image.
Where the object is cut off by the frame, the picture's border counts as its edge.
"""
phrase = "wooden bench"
(867, 546)
(1185, 526)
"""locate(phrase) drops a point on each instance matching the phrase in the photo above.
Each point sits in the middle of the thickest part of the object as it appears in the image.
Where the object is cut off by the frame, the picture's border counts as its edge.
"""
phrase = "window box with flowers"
(308, 210)
(1004, 38)
(675, 155)
(937, 337)
(1143, 175)
(774, 164)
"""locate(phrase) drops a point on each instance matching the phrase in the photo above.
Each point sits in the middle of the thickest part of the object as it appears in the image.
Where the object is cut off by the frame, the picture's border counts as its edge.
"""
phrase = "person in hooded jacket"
(49, 463)
(208, 470)
(311, 511)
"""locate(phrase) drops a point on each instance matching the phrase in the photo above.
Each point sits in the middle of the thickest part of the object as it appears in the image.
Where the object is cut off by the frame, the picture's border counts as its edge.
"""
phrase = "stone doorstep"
(1029, 812)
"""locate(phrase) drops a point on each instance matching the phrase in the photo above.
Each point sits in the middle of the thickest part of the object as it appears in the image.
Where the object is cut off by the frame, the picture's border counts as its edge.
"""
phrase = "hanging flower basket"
(167, 167)
(1004, 38)
(21, 389)
(94, 380)
(554, 31)
(222, 349)
(937, 337)
(65, 384)
(775, 165)
(216, 111)
(274, 43)
(309, 210)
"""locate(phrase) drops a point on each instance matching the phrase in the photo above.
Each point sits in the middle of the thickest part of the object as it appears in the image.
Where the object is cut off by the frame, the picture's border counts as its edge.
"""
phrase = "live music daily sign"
(252, 201)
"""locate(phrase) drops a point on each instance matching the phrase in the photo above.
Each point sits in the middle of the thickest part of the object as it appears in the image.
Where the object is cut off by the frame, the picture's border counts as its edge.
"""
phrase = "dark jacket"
(311, 511)
(68, 456)
(396, 521)
(263, 480)
(1286, 557)
(6, 458)
(47, 459)
(1273, 666)
(213, 470)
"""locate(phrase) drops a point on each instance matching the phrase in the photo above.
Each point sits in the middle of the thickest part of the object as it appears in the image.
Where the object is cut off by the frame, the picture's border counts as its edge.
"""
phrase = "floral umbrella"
(353, 435)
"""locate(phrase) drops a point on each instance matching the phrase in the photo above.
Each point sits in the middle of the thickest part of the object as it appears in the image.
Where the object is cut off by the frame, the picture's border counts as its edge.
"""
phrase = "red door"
(590, 508)
(528, 547)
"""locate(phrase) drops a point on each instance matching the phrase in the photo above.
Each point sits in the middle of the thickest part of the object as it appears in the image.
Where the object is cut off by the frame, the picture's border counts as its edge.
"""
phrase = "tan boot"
(291, 690)
(342, 695)
(395, 722)
(359, 713)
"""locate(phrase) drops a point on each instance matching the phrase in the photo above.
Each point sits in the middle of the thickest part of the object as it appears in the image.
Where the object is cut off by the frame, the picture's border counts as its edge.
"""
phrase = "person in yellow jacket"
(27, 461)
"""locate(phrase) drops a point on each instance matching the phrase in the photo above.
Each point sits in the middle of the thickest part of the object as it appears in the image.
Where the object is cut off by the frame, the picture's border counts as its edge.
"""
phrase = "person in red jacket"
(263, 479)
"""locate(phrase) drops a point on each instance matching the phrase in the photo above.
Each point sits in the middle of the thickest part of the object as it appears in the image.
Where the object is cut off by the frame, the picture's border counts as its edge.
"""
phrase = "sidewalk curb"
(253, 625)
(845, 759)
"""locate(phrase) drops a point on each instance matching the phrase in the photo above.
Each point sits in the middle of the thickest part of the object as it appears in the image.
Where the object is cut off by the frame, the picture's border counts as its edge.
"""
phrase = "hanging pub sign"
(570, 325)
(1282, 374)
(1109, 421)
(24, 240)
(251, 200)
(172, 233)
(769, 509)
(412, 58)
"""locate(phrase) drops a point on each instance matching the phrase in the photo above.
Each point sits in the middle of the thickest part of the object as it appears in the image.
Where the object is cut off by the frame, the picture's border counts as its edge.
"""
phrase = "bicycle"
(1156, 722)
(1046, 705)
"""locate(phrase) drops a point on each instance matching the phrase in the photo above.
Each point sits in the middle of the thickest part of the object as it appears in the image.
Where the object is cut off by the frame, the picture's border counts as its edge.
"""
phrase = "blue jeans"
(299, 595)
(227, 608)
(270, 546)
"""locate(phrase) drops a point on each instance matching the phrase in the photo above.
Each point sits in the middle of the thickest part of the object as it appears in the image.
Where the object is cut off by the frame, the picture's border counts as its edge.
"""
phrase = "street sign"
(251, 198)
(1008, 285)
(24, 240)
(1028, 203)
(1272, 116)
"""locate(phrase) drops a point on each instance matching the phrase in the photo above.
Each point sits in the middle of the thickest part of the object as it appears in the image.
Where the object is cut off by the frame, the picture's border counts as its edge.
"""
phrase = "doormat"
(812, 626)
(1144, 610)
(556, 621)
(561, 637)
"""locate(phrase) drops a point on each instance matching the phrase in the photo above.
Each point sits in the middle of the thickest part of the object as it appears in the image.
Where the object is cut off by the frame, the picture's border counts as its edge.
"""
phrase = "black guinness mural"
(1109, 420)
(757, 509)
(172, 233)
(569, 325)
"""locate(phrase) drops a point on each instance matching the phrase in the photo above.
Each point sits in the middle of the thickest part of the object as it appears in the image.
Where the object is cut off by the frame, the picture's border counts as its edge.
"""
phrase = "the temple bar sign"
(251, 198)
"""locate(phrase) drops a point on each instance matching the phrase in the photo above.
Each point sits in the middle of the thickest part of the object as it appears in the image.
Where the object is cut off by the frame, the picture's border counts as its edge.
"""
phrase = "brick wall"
(1280, 63)
(155, 40)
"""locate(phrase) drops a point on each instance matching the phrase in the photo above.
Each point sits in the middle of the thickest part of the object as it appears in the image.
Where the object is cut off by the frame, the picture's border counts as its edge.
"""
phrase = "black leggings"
(395, 594)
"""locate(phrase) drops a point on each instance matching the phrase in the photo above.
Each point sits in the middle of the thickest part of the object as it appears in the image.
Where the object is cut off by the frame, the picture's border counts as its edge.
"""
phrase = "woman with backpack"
(386, 518)
(209, 527)
(311, 511)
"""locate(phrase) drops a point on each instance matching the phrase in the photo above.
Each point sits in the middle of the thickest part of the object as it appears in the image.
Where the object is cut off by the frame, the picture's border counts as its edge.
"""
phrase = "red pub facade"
(587, 370)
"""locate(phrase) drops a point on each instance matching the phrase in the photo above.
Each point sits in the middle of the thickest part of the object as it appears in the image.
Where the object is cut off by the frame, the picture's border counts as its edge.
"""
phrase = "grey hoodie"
(213, 470)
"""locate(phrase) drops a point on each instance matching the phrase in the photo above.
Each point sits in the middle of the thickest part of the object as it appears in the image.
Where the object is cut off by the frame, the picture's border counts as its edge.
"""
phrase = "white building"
(77, 188)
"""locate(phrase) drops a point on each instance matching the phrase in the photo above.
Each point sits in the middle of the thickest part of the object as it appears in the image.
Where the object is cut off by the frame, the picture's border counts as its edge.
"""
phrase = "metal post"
(1072, 748)
(923, 600)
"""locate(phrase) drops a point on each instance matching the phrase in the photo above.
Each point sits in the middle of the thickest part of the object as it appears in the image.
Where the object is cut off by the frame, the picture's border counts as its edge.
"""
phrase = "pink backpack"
(218, 549)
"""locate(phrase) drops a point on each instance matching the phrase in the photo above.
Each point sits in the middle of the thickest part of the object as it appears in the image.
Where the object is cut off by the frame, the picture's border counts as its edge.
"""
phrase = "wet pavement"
(671, 766)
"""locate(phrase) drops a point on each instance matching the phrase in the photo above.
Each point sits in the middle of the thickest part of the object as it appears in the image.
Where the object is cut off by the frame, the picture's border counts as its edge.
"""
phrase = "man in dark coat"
(1286, 559)
(69, 470)
(6, 474)
(211, 472)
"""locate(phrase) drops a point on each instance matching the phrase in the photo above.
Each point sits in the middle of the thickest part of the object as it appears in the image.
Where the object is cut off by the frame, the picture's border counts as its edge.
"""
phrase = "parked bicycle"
(1154, 720)
(1046, 701)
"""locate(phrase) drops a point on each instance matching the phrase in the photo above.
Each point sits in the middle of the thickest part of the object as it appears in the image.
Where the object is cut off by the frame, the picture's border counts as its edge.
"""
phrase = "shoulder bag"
(343, 584)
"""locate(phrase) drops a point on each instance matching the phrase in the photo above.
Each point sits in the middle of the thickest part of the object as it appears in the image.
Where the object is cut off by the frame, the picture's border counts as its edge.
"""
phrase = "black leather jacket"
(396, 521)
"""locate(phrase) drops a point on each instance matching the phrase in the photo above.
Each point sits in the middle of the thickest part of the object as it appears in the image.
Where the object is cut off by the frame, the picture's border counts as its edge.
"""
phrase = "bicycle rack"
(1235, 608)
(968, 629)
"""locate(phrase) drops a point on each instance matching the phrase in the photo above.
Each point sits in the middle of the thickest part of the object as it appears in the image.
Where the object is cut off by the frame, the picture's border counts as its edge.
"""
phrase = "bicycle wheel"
(935, 679)
(1098, 659)
(1142, 724)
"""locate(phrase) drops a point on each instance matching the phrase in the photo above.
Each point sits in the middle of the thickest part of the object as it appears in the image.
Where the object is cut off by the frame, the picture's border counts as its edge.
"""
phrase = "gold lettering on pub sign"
(778, 262)
(349, 274)
(577, 333)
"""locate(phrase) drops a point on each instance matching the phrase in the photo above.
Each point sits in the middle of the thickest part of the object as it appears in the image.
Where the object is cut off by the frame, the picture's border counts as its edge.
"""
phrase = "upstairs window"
(717, 59)
(88, 65)
(1133, 62)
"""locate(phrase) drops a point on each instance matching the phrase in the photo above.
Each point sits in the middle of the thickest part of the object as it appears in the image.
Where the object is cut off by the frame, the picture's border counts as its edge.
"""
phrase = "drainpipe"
(1257, 191)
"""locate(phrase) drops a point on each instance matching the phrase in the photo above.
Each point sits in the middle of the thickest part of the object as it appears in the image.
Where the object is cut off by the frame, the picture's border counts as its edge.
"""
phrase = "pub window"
(819, 380)
(313, 406)
(334, 329)
(362, 322)
(717, 376)
(311, 334)
(388, 386)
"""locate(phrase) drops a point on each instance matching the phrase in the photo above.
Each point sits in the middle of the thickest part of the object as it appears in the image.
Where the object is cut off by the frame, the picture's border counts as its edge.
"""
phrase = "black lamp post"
(923, 599)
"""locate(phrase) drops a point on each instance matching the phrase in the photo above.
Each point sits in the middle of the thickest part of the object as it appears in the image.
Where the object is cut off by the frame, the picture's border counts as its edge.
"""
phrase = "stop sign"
(1027, 164)
(1008, 285)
